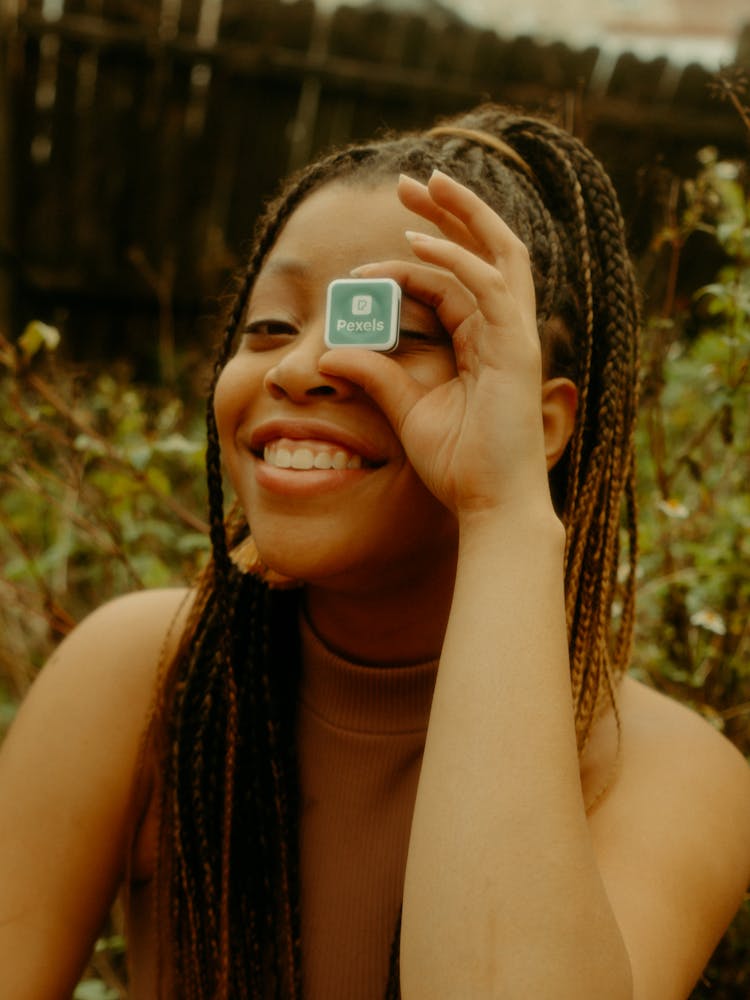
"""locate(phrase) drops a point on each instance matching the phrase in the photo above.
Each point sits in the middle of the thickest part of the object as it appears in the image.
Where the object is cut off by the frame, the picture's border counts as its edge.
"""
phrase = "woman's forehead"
(346, 219)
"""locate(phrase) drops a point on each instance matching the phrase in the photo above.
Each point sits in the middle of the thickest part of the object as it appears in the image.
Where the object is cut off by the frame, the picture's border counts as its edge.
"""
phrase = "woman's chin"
(295, 565)
(322, 570)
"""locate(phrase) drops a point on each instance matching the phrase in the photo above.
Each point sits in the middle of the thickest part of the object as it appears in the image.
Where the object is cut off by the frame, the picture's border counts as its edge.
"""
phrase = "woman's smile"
(306, 457)
(309, 465)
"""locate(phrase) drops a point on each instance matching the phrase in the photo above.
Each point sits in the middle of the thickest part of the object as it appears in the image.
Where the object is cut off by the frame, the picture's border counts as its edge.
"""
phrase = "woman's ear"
(559, 404)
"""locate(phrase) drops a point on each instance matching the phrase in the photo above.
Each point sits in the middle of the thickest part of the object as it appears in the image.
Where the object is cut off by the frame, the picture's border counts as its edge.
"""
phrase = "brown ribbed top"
(361, 736)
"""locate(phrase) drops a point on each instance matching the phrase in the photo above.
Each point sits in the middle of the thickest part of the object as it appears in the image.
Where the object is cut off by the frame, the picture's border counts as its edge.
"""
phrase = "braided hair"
(227, 880)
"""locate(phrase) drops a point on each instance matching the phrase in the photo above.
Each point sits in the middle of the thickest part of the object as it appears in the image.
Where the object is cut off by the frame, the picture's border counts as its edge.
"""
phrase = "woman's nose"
(295, 375)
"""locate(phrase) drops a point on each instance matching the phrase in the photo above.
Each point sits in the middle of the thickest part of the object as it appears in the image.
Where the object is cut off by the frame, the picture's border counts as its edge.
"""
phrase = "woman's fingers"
(470, 297)
(477, 279)
(437, 288)
(492, 234)
(500, 308)
(485, 282)
(415, 196)
(463, 217)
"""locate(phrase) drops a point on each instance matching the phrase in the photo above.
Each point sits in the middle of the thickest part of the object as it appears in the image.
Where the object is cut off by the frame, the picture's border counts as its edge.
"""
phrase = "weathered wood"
(6, 185)
(143, 146)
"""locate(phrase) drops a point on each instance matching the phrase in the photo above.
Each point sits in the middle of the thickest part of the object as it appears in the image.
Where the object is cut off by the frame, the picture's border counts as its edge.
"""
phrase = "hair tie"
(483, 138)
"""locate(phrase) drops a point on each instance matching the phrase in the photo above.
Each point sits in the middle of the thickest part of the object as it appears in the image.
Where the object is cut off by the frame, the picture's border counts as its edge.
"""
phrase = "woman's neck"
(383, 624)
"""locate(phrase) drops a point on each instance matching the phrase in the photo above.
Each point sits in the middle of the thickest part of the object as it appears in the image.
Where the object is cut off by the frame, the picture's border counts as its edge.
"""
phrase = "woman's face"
(320, 473)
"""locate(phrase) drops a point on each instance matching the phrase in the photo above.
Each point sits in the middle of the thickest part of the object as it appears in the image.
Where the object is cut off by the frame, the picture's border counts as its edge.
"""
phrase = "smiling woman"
(387, 746)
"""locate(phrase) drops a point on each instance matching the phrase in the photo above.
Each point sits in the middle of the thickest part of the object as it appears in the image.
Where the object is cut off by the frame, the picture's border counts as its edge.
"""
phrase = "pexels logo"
(362, 313)
(361, 305)
(360, 326)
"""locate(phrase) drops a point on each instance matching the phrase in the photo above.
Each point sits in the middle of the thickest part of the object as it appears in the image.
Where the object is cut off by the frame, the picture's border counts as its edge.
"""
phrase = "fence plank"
(7, 263)
(142, 153)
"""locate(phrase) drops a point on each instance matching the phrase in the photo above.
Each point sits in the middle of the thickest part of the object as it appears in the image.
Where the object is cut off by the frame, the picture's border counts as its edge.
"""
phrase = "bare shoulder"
(672, 834)
(108, 662)
(666, 744)
(126, 630)
(68, 770)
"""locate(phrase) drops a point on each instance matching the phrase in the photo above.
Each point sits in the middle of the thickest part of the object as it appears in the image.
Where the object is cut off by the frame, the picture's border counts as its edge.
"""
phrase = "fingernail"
(414, 237)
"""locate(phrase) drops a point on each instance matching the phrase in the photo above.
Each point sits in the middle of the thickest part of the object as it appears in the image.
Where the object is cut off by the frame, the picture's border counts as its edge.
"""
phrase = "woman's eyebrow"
(285, 267)
(275, 273)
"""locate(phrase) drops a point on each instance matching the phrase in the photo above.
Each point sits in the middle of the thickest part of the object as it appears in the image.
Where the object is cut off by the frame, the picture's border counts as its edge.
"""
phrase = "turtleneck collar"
(361, 697)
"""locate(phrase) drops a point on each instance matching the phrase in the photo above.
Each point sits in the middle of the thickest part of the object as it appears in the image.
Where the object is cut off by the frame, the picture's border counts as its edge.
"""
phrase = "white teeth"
(306, 458)
(302, 458)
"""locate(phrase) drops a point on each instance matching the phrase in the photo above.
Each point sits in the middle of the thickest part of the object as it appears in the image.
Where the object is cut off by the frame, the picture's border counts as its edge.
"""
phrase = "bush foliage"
(693, 617)
(102, 491)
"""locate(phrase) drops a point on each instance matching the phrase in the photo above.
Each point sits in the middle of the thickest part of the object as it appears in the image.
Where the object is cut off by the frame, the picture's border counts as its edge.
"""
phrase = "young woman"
(390, 744)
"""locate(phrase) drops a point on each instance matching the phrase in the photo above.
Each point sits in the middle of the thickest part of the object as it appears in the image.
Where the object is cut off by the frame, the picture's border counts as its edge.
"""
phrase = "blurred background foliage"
(693, 616)
(103, 491)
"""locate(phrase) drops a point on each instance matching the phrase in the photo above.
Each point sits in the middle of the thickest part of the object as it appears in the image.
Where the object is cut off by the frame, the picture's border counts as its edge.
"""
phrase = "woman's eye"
(270, 327)
(419, 338)
(266, 333)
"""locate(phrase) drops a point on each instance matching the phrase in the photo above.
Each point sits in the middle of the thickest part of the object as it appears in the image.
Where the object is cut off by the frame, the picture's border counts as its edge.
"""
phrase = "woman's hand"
(477, 441)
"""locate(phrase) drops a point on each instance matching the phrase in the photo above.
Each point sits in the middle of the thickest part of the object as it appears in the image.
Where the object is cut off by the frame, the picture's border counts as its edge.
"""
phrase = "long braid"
(228, 872)
(617, 399)
(595, 494)
(393, 984)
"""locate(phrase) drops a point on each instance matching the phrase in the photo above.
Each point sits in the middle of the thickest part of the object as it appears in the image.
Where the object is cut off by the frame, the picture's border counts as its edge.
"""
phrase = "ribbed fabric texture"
(361, 736)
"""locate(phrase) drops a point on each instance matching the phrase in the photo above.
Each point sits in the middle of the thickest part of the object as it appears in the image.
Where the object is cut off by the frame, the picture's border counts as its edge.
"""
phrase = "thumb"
(382, 378)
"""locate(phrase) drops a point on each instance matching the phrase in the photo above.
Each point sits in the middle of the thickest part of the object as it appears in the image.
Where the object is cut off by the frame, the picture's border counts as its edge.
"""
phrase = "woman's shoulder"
(654, 737)
(96, 691)
(69, 769)
(136, 621)
(87, 711)
(113, 655)
(115, 652)
(666, 763)
(665, 736)
(671, 831)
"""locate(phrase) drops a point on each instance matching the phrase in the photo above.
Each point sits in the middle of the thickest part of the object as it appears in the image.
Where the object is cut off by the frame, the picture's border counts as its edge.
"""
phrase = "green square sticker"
(363, 313)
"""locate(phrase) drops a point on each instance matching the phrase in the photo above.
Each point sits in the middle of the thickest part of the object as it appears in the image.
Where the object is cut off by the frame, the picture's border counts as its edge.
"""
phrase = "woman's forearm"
(503, 897)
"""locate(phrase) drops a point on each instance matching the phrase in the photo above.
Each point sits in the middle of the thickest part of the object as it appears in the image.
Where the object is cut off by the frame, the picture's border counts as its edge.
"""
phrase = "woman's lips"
(312, 444)
(308, 458)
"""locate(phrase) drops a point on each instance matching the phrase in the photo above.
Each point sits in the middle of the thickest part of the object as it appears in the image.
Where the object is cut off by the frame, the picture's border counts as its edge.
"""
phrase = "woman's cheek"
(230, 400)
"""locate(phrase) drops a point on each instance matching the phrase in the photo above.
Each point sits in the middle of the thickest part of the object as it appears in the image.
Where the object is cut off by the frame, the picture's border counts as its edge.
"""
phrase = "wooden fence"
(138, 140)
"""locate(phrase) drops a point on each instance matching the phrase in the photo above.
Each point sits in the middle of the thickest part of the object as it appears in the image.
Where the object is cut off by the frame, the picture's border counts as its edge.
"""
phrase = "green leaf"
(36, 336)
(94, 989)
(139, 454)
(159, 480)
(89, 445)
(193, 541)
(178, 444)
